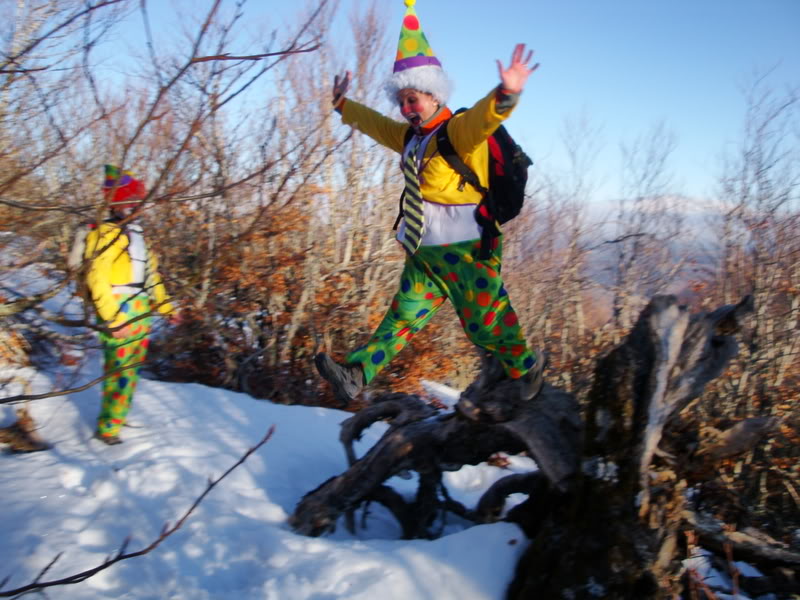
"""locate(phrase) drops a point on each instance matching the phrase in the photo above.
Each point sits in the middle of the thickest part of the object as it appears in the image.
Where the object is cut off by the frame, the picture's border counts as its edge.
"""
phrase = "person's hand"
(340, 85)
(517, 74)
(122, 332)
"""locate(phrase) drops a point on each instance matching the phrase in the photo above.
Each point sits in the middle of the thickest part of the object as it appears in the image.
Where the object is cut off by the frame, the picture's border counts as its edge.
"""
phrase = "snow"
(82, 499)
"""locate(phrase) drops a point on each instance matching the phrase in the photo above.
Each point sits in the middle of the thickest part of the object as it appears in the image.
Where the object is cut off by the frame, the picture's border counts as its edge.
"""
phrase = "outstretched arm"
(385, 131)
(517, 73)
(480, 121)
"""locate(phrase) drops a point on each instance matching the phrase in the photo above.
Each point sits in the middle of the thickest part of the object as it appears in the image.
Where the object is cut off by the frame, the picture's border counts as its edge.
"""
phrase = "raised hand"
(122, 332)
(340, 85)
(516, 75)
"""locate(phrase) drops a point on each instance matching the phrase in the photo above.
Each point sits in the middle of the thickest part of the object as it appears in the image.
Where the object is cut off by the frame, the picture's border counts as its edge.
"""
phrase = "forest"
(274, 233)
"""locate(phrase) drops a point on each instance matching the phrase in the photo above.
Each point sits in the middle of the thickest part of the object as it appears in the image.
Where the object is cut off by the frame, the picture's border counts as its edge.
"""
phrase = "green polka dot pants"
(474, 286)
(118, 388)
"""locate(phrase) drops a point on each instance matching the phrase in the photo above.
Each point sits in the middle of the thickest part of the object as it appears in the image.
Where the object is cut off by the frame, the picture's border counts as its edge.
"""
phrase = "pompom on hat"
(415, 65)
(120, 187)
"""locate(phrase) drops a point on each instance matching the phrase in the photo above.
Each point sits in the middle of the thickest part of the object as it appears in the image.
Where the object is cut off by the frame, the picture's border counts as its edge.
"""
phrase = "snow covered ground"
(83, 499)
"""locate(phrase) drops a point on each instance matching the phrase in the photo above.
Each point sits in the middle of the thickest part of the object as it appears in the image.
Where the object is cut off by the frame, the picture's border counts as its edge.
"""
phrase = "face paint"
(415, 106)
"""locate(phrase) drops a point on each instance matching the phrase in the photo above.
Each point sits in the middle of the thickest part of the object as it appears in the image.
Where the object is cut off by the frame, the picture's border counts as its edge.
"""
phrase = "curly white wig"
(425, 78)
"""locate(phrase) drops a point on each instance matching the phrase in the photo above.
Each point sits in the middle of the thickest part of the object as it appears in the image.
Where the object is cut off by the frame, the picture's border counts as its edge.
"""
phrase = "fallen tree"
(608, 510)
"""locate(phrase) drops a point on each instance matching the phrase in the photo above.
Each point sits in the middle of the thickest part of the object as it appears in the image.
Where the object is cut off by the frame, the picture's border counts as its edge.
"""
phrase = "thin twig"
(23, 397)
(199, 59)
(121, 554)
(21, 71)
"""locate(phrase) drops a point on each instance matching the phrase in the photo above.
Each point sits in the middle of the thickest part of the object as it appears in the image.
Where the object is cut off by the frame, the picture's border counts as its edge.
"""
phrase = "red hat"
(121, 186)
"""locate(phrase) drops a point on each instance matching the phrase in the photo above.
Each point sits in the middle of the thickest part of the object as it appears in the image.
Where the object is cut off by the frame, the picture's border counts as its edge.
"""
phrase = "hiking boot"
(531, 383)
(346, 380)
(109, 440)
(496, 401)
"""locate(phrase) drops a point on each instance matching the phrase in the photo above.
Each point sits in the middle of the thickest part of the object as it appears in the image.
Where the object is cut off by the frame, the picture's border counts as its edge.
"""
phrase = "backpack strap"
(485, 210)
(407, 137)
(448, 152)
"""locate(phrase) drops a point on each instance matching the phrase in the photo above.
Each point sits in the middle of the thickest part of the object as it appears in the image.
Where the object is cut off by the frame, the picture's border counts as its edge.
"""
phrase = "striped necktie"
(412, 203)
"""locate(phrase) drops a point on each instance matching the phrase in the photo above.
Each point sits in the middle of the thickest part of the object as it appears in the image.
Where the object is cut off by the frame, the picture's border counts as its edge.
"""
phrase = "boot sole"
(320, 361)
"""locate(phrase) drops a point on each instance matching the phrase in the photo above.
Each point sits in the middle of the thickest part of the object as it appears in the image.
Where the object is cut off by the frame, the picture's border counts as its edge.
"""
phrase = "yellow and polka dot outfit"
(446, 265)
(119, 353)
(474, 286)
(124, 283)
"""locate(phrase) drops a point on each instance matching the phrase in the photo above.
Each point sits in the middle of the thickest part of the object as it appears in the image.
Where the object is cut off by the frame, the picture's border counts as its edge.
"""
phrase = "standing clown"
(441, 229)
(123, 280)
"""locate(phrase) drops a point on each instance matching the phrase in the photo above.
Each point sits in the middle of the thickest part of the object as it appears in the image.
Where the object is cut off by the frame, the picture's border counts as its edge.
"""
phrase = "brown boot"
(108, 440)
(489, 400)
(531, 383)
(346, 380)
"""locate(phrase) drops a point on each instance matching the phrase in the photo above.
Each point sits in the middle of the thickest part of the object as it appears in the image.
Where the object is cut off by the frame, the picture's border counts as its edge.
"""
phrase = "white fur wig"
(424, 78)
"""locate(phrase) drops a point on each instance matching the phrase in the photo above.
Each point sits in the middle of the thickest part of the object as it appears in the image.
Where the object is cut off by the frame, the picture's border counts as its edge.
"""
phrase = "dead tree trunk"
(618, 535)
(607, 509)
(421, 439)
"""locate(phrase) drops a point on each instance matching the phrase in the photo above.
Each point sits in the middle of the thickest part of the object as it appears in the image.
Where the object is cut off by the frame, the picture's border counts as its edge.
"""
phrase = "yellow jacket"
(468, 132)
(110, 265)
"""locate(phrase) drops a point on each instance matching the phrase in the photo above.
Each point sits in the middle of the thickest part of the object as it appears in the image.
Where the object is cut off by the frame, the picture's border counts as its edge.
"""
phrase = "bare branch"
(66, 23)
(12, 308)
(121, 554)
(200, 59)
(21, 70)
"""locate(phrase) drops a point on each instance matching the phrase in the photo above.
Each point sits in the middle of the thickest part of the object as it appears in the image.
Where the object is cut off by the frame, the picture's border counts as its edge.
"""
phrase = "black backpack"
(508, 175)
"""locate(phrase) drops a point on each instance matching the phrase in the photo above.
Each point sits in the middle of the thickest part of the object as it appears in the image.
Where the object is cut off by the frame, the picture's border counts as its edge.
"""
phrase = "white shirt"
(444, 223)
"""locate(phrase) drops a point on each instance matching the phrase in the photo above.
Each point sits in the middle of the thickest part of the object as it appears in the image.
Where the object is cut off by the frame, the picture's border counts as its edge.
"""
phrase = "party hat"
(415, 65)
(120, 186)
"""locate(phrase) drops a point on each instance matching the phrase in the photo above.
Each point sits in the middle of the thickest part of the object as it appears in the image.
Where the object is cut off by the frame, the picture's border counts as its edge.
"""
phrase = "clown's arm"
(387, 132)
(481, 121)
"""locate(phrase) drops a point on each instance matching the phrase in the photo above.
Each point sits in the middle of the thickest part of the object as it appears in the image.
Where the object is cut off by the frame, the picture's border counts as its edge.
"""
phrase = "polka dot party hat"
(415, 65)
(120, 186)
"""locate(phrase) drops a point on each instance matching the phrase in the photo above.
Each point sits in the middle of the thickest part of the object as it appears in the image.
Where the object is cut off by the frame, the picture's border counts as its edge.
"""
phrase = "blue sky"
(624, 64)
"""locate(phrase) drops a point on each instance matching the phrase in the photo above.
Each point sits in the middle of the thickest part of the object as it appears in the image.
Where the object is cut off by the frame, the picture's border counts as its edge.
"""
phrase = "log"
(606, 510)
(429, 441)
(749, 545)
(718, 444)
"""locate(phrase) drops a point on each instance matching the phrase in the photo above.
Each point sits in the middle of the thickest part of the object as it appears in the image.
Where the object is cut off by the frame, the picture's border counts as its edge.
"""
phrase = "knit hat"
(120, 186)
(415, 66)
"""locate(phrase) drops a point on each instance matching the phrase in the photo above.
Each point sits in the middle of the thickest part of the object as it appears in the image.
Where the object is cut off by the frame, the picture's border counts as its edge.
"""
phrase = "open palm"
(517, 73)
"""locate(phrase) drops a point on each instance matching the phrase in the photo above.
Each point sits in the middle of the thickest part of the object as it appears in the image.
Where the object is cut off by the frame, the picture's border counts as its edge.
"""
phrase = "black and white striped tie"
(412, 203)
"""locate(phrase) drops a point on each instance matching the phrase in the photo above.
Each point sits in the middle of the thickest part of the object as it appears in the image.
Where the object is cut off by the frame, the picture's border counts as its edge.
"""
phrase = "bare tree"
(549, 249)
(646, 249)
(61, 122)
(757, 250)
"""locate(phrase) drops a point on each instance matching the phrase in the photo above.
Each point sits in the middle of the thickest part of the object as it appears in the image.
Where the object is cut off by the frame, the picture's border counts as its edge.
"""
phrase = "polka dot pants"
(118, 353)
(474, 286)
